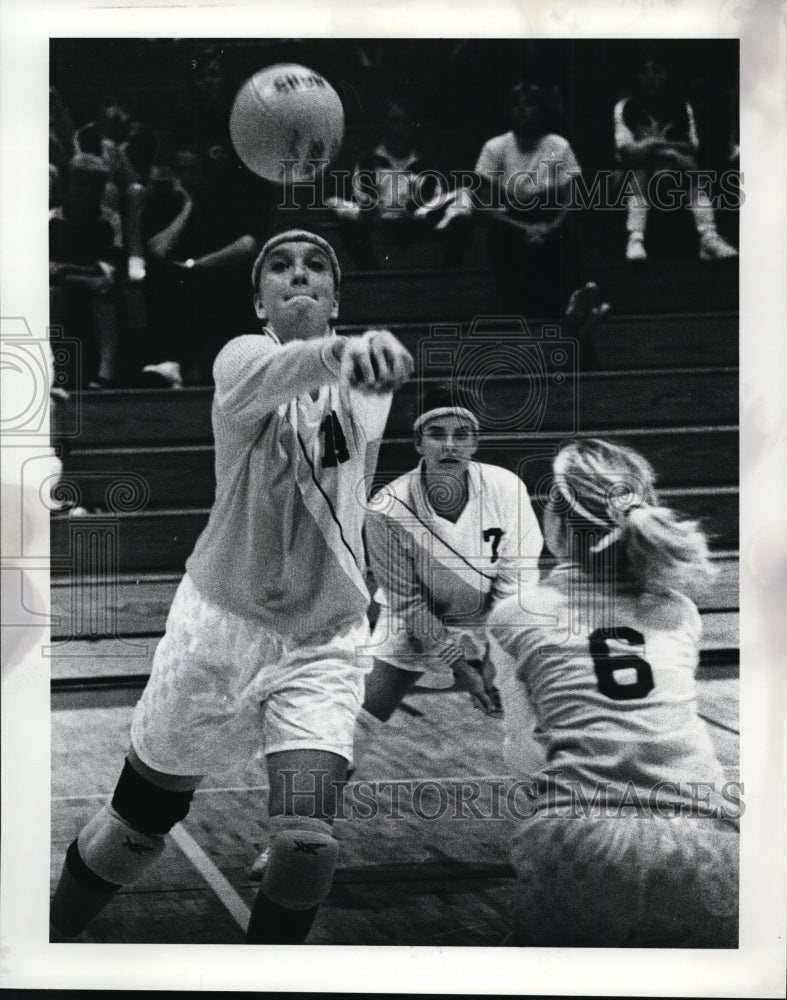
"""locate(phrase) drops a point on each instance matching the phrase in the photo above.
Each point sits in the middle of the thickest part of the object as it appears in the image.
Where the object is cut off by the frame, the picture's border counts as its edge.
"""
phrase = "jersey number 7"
(605, 663)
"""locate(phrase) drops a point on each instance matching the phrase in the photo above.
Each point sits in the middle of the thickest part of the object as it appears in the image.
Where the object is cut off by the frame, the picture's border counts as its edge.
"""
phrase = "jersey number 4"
(335, 449)
(606, 663)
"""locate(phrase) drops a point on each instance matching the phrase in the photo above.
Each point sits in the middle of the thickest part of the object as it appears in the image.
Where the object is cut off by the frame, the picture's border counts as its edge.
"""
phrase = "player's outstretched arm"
(375, 362)
(254, 375)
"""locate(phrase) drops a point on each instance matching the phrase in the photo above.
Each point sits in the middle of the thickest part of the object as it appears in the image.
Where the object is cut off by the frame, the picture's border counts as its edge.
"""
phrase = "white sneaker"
(713, 247)
(136, 268)
(259, 866)
(636, 247)
(168, 370)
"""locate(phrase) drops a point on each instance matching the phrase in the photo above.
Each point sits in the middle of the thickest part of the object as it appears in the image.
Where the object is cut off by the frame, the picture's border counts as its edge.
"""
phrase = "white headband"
(445, 411)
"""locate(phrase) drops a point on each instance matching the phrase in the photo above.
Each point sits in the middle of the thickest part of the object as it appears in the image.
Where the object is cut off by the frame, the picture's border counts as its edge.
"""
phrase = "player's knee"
(303, 857)
(126, 837)
(146, 806)
(112, 850)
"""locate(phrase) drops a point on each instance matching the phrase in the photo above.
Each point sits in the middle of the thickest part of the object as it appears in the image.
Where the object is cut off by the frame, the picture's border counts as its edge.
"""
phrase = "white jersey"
(283, 544)
(612, 693)
(439, 578)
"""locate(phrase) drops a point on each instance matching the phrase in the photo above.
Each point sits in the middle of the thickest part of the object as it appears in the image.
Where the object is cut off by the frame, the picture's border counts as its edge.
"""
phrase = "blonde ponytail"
(617, 530)
(662, 550)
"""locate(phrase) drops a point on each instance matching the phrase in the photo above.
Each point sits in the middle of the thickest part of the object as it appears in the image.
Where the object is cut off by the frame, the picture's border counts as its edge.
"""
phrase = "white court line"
(264, 788)
(231, 901)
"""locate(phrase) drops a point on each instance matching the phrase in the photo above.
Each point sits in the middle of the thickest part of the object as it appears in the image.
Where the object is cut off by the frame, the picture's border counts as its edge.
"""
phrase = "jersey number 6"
(606, 663)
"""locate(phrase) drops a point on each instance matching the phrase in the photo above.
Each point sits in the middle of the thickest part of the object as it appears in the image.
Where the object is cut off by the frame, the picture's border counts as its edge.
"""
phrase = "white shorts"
(393, 643)
(223, 688)
(626, 882)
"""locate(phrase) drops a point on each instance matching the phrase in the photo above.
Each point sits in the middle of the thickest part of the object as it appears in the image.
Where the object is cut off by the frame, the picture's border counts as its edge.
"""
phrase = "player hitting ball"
(632, 838)
(260, 644)
(446, 541)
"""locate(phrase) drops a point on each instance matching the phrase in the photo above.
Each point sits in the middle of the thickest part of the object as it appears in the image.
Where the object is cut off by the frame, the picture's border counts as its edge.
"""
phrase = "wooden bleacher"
(666, 384)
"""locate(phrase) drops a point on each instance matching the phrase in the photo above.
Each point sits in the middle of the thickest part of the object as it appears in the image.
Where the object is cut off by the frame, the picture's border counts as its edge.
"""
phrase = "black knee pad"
(147, 807)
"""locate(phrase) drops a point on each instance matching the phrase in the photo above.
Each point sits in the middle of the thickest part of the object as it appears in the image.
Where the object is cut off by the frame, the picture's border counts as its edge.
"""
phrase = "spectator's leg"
(135, 201)
(106, 325)
(711, 244)
(637, 214)
(171, 333)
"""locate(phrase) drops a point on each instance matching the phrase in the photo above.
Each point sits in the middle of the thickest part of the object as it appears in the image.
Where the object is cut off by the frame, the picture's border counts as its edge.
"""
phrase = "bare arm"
(242, 249)
(163, 243)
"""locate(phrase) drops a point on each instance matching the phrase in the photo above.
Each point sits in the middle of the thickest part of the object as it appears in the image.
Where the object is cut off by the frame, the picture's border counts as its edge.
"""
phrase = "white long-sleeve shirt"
(283, 542)
(440, 578)
(600, 693)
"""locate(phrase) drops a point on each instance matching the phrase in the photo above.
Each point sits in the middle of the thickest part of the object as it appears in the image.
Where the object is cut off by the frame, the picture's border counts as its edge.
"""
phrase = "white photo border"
(756, 969)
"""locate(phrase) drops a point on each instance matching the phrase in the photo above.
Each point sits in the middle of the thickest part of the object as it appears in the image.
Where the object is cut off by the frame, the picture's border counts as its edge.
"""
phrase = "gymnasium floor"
(403, 879)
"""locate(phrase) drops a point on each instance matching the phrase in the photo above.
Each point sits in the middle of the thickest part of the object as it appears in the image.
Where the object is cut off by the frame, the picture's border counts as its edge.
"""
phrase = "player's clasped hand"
(377, 362)
(477, 679)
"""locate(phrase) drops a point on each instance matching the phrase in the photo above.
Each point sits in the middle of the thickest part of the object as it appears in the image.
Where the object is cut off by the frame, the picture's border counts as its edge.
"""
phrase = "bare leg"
(107, 327)
(386, 685)
(135, 202)
(637, 214)
(304, 788)
(118, 844)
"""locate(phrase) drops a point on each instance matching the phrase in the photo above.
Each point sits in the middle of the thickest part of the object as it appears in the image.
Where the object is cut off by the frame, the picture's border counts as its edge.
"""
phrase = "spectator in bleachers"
(61, 144)
(200, 244)
(85, 252)
(393, 184)
(203, 109)
(200, 122)
(526, 176)
(655, 132)
(127, 148)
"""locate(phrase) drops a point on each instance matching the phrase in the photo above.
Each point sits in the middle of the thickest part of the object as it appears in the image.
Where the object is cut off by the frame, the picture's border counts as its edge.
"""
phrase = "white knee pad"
(303, 856)
(115, 850)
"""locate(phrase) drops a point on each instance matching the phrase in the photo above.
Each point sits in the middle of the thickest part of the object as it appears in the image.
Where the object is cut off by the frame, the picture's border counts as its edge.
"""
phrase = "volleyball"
(287, 123)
